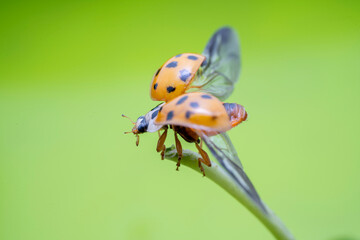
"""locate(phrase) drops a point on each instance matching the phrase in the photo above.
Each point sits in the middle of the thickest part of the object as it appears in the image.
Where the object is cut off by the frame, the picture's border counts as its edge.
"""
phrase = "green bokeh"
(68, 70)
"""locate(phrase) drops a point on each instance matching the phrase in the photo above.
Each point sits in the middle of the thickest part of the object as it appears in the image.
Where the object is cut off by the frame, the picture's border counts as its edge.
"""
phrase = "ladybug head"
(140, 126)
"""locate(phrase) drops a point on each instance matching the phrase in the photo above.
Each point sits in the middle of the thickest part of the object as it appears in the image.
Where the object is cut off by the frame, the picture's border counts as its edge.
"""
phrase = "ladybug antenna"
(128, 118)
(137, 137)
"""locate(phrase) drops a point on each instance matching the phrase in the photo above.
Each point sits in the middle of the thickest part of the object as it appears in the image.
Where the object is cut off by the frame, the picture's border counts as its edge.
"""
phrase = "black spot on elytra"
(170, 89)
(191, 57)
(213, 118)
(154, 114)
(172, 64)
(160, 109)
(155, 86)
(184, 74)
(170, 115)
(181, 100)
(179, 55)
(188, 114)
(194, 104)
(206, 96)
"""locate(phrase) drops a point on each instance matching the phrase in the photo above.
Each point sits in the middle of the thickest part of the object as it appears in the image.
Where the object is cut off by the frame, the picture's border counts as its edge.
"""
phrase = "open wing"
(223, 143)
(224, 152)
(221, 69)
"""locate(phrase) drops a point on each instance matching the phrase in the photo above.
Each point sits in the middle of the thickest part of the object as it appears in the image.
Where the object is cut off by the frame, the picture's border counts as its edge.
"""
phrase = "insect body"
(212, 74)
(191, 115)
(192, 87)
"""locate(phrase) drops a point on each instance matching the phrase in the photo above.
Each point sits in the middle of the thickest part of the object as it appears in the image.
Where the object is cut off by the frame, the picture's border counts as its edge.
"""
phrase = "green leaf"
(219, 176)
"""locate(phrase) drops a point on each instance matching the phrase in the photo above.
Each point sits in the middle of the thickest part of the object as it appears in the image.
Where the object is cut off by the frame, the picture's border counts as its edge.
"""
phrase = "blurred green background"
(69, 69)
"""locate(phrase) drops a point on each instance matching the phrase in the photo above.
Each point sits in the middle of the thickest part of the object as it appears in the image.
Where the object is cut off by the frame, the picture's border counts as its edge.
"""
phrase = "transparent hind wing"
(224, 144)
(228, 162)
(221, 69)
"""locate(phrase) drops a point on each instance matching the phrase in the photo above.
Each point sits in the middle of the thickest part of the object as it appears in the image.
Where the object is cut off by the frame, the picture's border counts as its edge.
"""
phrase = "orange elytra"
(195, 110)
(174, 77)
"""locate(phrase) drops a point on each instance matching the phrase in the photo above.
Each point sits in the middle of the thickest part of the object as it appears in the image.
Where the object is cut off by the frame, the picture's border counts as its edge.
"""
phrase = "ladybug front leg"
(179, 150)
(160, 145)
(204, 158)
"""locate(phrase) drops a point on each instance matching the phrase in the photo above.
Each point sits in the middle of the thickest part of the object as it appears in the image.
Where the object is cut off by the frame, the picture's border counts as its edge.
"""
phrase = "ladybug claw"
(201, 167)
(178, 164)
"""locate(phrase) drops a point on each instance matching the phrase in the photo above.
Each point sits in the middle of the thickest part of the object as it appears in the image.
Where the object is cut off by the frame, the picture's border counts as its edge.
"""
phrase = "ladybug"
(193, 88)
(212, 75)
(191, 115)
(207, 79)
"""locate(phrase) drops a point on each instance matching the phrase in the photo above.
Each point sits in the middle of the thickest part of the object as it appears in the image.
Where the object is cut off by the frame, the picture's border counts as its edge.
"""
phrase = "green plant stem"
(221, 177)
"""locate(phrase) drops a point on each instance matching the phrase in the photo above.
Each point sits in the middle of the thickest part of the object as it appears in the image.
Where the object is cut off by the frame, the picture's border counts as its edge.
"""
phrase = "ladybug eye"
(142, 125)
(141, 129)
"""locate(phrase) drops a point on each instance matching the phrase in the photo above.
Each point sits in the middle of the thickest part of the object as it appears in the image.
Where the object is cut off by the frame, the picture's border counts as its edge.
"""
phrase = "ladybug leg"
(160, 145)
(137, 139)
(201, 167)
(179, 151)
(204, 158)
(163, 152)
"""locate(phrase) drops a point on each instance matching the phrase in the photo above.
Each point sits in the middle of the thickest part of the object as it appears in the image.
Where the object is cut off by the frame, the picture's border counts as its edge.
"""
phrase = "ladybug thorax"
(146, 123)
(174, 77)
